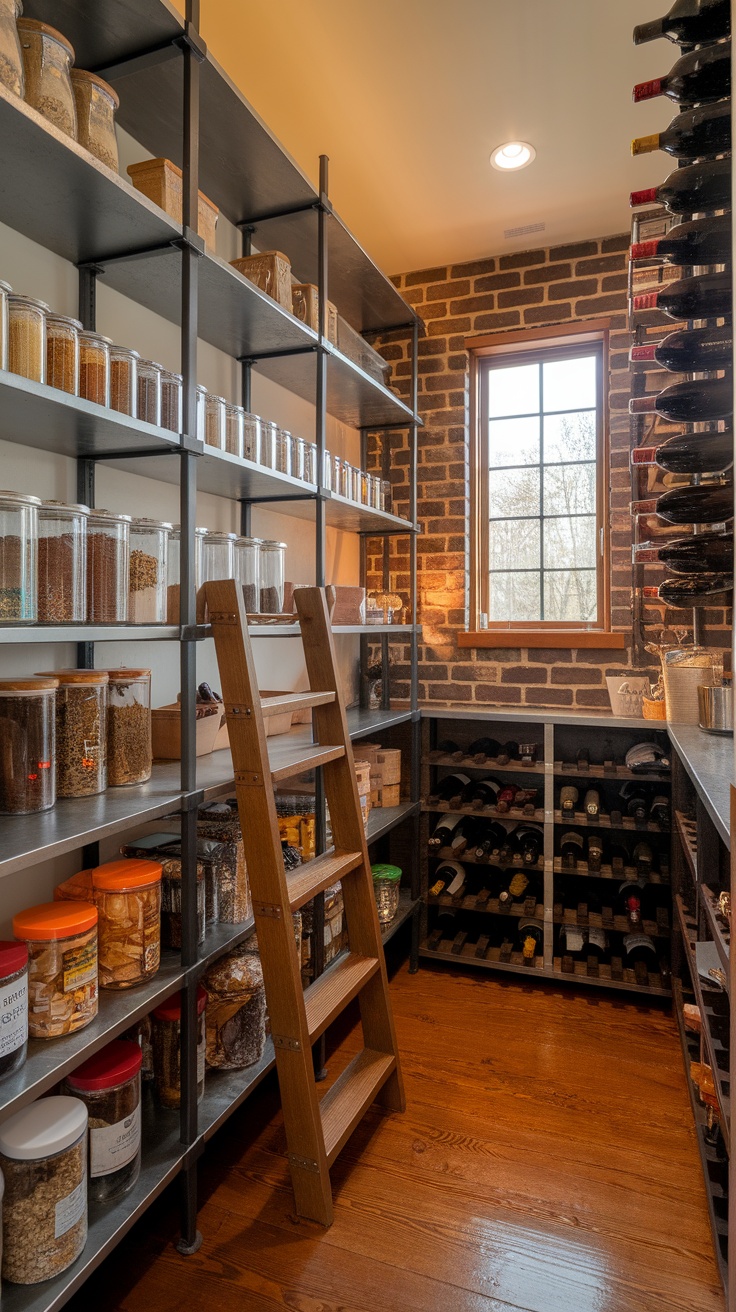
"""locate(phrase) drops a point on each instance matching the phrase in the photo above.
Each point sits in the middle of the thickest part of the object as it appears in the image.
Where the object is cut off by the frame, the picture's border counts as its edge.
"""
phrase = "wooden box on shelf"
(166, 731)
(305, 305)
(269, 270)
(161, 182)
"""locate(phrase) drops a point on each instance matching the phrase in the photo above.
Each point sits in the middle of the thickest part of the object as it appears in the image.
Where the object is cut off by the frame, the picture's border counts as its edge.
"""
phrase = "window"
(540, 484)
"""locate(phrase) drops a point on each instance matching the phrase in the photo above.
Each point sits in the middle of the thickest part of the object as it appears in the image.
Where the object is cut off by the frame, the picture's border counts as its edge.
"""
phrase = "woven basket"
(652, 710)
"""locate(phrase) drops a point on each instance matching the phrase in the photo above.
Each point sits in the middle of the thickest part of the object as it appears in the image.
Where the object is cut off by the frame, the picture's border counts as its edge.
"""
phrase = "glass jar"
(272, 562)
(247, 554)
(129, 751)
(327, 482)
(364, 494)
(376, 491)
(94, 367)
(109, 1085)
(28, 756)
(336, 472)
(165, 849)
(27, 337)
(18, 557)
(201, 412)
(214, 434)
(236, 1011)
(147, 601)
(171, 401)
(81, 732)
(11, 59)
(5, 290)
(283, 451)
(351, 480)
(62, 353)
(47, 62)
(310, 462)
(173, 572)
(385, 494)
(62, 971)
(149, 391)
(108, 546)
(96, 104)
(298, 457)
(251, 437)
(218, 556)
(127, 894)
(124, 380)
(234, 420)
(62, 563)
(13, 1006)
(219, 821)
(269, 443)
(386, 889)
(43, 1155)
(166, 1036)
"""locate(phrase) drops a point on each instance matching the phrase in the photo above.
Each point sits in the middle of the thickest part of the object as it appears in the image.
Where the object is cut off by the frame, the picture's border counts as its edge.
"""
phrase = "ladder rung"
(331, 992)
(352, 1093)
(315, 876)
(290, 759)
(294, 701)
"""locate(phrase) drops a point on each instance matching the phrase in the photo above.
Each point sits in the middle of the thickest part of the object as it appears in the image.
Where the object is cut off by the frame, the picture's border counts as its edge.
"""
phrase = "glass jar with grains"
(171, 401)
(129, 750)
(149, 391)
(234, 422)
(220, 821)
(27, 337)
(214, 423)
(109, 1085)
(11, 59)
(94, 367)
(13, 1006)
(218, 556)
(5, 291)
(127, 894)
(272, 565)
(166, 850)
(173, 575)
(251, 437)
(108, 544)
(47, 63)
(246, 571)
(96, 105)
(81, 732)
(62, 973)
(18, 557)
(43, 1156)
(62, 563)
(166, 1039)
(236, 1011)
(149, 541)
(62, 353)
(124, 380)
(28, 757)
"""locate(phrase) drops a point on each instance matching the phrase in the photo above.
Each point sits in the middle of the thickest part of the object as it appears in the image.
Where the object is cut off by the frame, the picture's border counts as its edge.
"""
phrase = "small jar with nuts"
(236, 1011)
(62, 974)
(81, 732)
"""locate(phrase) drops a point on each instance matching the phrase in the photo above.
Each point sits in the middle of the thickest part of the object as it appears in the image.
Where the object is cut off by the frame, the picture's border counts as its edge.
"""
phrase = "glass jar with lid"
(337, 480)
(171, 401)
(11, 59)
(298, 458)
(96, 104)
(27, 337)
(147, 601)
(218, 556)
(269, 441)
(62, 353)
(234, 420)
(201, 395)
(327, 471)
(272, 561)
(283, 451)
(310, 462)
(62, 563)
(385, 494)
(81, 732)
(149, 391)
(28, 760)
(108, 539)
(247, 555)
(251, 437)
(13, 1006)
(47, 63)
(236, 1011)
(94, 367)
(124, 380)
(166, 1040)
(109, 1085)
(173, 571)
(62, 971)
(129, 750)
(214, 433)
(351, 479)
(364, 489)
(376, 491)
(386, 890)
(5, 290)
(18, 557)
(127, 894)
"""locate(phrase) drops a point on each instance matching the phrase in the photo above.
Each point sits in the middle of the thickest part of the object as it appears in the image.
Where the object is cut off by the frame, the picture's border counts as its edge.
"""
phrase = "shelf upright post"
(246, 368)
(86, 467)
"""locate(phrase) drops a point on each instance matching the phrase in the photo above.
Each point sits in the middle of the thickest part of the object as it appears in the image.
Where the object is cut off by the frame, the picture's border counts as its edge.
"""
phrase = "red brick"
(432, 365)
(618, 243)
(549, 273)
(548, 696)
(472, 304)
(523, 674)
(574, 251)
(521, 259)
(549, 655)
(435, 310)
(494, 654)
(431, 346)
(493, 695)
(547, 314)
(444, 381)
(440, 290)
(599, 304)
(615, 282)
(593, 697)
(449, 692)
(506, 319)
(521, 296)
(460, 361)
(567, 291)
(576, 674)
(425, 275)
(472, 268)
(449, 326)
(497, 282)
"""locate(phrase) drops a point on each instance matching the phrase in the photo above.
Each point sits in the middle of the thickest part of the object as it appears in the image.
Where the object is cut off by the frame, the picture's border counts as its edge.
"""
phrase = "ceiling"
(408, 98)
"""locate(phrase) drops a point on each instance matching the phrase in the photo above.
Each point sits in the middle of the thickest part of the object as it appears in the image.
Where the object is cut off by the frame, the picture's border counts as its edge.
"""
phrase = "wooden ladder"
(316, 1128)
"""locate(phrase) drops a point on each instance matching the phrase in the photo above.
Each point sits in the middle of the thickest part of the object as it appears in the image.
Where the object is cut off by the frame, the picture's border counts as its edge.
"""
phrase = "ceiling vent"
(526, 231)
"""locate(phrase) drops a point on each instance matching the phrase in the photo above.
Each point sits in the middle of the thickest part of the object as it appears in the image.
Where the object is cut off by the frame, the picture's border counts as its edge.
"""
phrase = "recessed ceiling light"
(514, 155)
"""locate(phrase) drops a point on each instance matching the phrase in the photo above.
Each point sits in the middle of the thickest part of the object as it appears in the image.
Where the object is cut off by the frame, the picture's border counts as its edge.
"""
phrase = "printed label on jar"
(80, 965)
(70, 1210)
(113, 1146)
(201, 1055)
(13, 1016)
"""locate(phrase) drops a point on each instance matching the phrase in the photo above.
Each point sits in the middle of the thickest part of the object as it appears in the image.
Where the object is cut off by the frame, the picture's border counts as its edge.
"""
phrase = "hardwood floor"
(546, 1162)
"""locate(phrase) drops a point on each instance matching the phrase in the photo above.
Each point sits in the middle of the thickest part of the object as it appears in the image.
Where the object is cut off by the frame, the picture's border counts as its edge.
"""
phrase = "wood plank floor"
(546, 1162)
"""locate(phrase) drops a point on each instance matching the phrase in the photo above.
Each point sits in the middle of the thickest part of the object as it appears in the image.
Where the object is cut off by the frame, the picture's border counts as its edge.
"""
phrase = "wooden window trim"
(536, 634)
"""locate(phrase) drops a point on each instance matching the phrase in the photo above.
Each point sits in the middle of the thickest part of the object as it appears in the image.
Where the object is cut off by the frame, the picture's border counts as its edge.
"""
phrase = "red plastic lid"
(644, 250)
(647, 301)
(115, 1064)
(13, 957)
(643, 353)
(648, 90)
(646, 197)
(171, 1008)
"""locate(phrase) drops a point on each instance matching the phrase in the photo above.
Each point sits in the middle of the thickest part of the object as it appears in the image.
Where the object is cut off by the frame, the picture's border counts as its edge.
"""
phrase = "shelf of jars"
(383, 819)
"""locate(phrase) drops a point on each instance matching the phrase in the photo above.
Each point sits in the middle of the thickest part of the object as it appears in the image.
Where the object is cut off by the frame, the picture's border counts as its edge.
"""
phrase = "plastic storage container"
(247, 565)
(386, 890)
(47, 63)
(271, 576)
(62, 563)
(11, 59)
(234, 419)
(128, 899)
(94, 367)
(13, 1006)
(18, 557)
(220, 822)
(149, 543)
(171, 401)
(28, 757)
(43, 1156)
(62, 974)
(124, 380)
(109, 1085)
(251, 437)
(165, 848)
(173, 570)
(81, 732)
(218, 556)
(96, 104)
(236, 1011)
(62, 353)
(129, 751)
(214, 423)
(108, 546)
(149, 391)
(166, 1039)
(27, 337)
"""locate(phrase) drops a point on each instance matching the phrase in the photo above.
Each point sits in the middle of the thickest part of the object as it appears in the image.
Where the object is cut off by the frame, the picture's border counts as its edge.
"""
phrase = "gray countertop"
(528, 715)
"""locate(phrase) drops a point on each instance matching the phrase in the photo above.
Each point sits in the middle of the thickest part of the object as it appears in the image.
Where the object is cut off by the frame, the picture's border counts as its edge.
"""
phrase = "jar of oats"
(124, 380)
(62, 971)
(109, 1085)
(43, 1156)
(27, 337)
(127, 894)
(108, 545)
(166, 1040)
(81, 732)
(94, 367)
(47, 62)
(97, 105)
(129, 749)
(11, 59)
(149, 541)
(62, 353)
(62, 563)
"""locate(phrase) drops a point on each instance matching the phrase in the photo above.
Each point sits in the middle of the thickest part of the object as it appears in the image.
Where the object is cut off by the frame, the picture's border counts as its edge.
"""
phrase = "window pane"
(570, 437)
(514, 391)
(569, 489)
(570, 543)
(513, 493)
(569, 384)
(570, 594)
(513, 442)
(514, 542)
(514, 597)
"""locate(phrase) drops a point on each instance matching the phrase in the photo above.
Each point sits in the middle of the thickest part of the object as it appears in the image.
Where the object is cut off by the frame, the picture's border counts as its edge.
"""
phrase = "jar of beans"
(149, 391)
(171, 400)
(28, 759)
(96, 105)
(124, 380)
(247, 553)
(108, 537)
(11, 60)
(81, 732)
(18, 557)
(129, 751)
(62, 563)
(27, 337)
(149, 540)
(62, 353)
(94, 367)
(47, 63)
(251, 437)
(215, 408)
(271, 575)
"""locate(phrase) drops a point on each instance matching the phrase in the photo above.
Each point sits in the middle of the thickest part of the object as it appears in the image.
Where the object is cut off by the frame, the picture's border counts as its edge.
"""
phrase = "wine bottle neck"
(648, 31)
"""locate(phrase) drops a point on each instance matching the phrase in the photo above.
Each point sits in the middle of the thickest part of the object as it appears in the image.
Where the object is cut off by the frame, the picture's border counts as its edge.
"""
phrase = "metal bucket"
(715, 706)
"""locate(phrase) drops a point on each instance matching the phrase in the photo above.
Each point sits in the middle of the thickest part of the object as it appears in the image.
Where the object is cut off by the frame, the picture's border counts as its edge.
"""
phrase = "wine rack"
(607, 872)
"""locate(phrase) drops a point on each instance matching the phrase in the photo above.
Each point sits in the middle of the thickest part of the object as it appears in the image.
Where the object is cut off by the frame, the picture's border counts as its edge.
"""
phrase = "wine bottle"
(659, 811)
(701, 241)
(619, 855)
(511, 750)
(692, 592)
(443, 831)
(689, 453)
(706, 296)
(492, 836)
(449, 877)
(509, 848)
(531, 939)
(634, 797)
(450, 789)
(596, 943)
(582, 757)
(693, 401)
(639, 947)
(481, 792)
(571, 849)
(506, 797)
(595, 853)
(483, 748)
(530, 842)
(643, 859)
(703, 553)
(698, 78)
(514, 892)
(692, 189)
(568, 799)
(572, 942)
(688, 23)
(592, 804)
(708, 503)
(690, 350)
(629, 901)
(448, 747)
(698, 133)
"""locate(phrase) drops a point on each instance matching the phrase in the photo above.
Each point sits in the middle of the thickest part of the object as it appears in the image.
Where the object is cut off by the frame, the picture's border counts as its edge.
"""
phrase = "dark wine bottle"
(690, 350)
(571, 849)
(701, 241)
(639, 947)
(531, 939)
(530, 842)
(705, 185)
(698, 78)
(506, 797)
(596, 944)
(448, 747)
(592, 804)
(703, 553)
(568, 799)
(693, 591)
(635, 800)
(595, 853)
(688, 23)
(707, 296)
(491, 837)
(572, 942)
(629, 902)
(689, 453)
(443, 831)
(449, 877)
(481, 792)
(483, 748)
(708, 503)
(619, 856)
(643, 859)
(698, 133)
(516, 888)
(694, 401)
(450, 789)
(509, 848)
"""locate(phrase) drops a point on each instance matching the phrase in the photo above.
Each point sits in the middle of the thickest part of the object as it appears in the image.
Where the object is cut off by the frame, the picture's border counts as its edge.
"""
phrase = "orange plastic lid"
(127, 873)
(77, 676)
(54, 920)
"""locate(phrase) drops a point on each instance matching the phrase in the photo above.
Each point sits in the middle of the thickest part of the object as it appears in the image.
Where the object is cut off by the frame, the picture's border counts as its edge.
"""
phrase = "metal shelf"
(383, 819)
(225, 1091)
(408, 907)
(20, 633)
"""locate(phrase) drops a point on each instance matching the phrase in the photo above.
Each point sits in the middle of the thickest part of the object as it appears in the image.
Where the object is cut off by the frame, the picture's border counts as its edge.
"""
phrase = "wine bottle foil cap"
(642, 353)
(644, 250)
(647, 90)
(646, 301)
(646, 197)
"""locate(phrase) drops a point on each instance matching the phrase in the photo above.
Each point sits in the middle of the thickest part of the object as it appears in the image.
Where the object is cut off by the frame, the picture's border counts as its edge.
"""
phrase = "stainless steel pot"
(715, 706)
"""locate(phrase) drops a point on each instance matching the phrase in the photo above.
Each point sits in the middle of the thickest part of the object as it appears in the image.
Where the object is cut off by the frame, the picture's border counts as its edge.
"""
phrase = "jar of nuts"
(109, 1085)
(62, 563)
(47, 62)
(236, 1011)
(81, 732)
(127, 894)
(129, 749)
(166, 1038)
(62, 974)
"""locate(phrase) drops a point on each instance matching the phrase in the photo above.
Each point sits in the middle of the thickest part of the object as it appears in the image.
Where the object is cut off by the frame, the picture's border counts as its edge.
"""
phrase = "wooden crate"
(161, 181)
(305, 305)
(271, 271)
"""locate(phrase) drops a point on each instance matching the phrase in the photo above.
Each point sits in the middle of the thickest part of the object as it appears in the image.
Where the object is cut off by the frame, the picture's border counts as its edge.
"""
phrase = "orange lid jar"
(62, 966)
(127, 895)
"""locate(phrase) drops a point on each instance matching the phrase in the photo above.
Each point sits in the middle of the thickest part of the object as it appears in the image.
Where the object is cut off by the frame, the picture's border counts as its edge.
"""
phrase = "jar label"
(80, 965)
(201, 1054)
(113, 1146)
(70, 1210)
(13, 1015)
